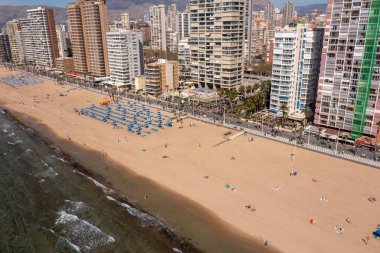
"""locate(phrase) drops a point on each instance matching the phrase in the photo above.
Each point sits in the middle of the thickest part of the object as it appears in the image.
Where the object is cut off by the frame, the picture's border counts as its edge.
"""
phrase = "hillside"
(136, 9)
(302, 10)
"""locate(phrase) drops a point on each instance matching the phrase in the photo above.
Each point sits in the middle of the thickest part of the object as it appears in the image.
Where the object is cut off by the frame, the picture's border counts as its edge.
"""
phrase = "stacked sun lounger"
(135, 117)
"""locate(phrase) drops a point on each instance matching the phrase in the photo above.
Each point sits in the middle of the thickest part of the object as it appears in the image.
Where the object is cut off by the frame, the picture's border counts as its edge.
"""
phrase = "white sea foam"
(11, 143)
(72, 245)
(5, 131)
(48, 173)
(176, 250)
(81, 233)
(60, 159)
(104, 188)
(66, 241)
(11, 134)
(44, 163)
(149, 219)
(19, 142)
(73, 206)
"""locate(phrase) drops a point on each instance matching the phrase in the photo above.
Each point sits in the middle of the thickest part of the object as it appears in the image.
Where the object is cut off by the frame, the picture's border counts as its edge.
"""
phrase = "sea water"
(48, 205)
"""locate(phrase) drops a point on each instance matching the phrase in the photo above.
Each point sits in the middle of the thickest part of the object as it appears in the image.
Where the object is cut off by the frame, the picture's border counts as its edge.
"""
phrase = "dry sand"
(282, 216)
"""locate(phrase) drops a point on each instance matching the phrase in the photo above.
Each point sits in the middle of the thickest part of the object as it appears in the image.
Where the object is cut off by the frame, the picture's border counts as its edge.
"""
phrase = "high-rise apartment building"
(296, 62)
(260, 37)
(184, 59)
(39, 37)
(171, 40)
(288, 12)
(88, 26)
(217, 43)
(5, 50)
(157, 27)
(13, 30)
(126, 56)
(277, 17)
(61, 39)
(349, 81)
(184, 24)
(125, 22)
(270, 17)
(172, 18)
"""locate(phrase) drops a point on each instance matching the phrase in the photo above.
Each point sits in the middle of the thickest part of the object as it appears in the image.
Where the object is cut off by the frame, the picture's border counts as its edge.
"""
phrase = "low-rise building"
(161, 76)
(65, 64)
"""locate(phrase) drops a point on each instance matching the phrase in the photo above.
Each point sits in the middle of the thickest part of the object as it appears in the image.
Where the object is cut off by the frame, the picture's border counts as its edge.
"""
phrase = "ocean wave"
(48, 173)
(81, 233)
(5, 131)
(11, 134)
(73, 206)
(60, 159)
(104, 188)
(19, 142)
(44, 163)
(146, 218)
(65, 241)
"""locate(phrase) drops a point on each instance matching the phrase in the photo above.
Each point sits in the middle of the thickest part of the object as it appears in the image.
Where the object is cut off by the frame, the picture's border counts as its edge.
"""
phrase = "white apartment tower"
(125, 21)
(172, 18)
(184, 58)
(39, 37)
(125, 54)
(217, 42)
(61, 38)
(158, 27)
(184, 24)
(295, 70)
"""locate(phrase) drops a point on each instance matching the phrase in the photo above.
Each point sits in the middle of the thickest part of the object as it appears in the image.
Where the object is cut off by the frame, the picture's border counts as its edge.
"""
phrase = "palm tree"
(308, 114)
(284, 109)
(377, 135)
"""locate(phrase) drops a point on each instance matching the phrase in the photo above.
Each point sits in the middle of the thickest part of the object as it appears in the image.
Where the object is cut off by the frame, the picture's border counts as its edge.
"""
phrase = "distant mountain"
(302, 10)
(135, 8)
(9, 12)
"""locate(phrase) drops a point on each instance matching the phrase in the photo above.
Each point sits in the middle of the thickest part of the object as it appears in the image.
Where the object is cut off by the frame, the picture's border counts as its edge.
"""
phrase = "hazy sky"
(62, 3)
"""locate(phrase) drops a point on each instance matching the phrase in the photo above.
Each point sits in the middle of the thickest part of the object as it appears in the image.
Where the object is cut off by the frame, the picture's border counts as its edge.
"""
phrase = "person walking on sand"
(266, 243)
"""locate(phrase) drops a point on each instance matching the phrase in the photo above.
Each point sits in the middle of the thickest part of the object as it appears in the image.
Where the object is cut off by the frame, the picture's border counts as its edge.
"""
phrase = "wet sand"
(260, 173)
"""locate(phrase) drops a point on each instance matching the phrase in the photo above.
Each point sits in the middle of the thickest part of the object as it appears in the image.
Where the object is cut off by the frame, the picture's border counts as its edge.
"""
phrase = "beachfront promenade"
(339, 152)
(327, 151)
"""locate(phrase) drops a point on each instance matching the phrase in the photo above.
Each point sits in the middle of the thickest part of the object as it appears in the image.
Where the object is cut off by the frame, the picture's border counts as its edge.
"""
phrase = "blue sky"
(63, 3)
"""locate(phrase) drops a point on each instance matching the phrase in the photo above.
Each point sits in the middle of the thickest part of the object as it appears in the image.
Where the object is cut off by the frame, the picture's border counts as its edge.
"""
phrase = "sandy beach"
(204, 172)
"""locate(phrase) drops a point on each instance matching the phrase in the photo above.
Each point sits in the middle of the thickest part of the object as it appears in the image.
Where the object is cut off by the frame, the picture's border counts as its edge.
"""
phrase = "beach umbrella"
(312, 221)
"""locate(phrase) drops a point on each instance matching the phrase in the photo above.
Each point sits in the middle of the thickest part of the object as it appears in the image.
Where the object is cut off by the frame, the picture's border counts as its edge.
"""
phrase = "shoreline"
(243, 243)
(208, 176)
